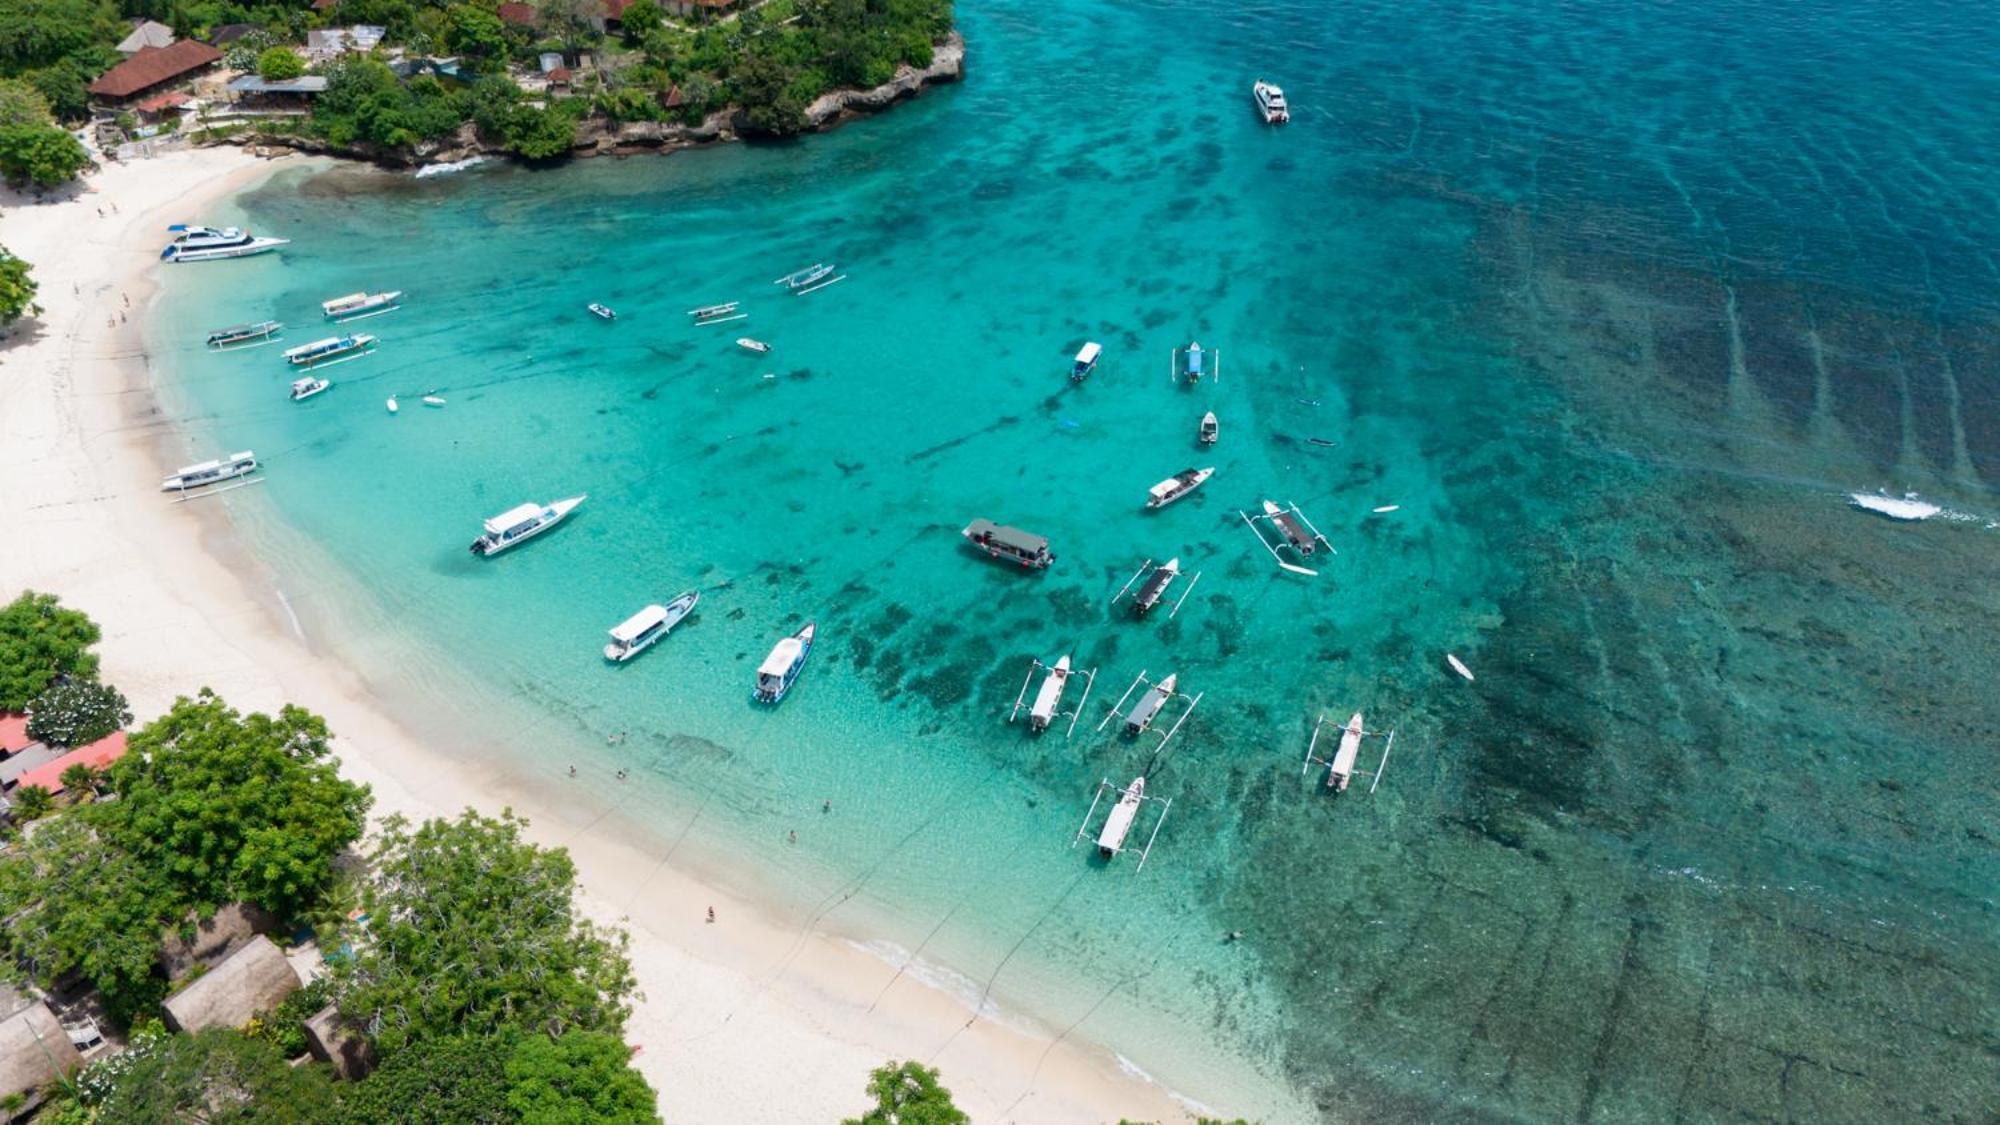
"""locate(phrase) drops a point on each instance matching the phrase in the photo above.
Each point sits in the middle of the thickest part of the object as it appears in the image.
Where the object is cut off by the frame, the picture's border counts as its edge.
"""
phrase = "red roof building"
(154, 67)
(160, 103)
(520, 15)
(96, 755)
(614, 10)
(14, 733)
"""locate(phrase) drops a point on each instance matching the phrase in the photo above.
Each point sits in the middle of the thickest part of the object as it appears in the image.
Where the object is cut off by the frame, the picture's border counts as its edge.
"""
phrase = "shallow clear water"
(1614, 305)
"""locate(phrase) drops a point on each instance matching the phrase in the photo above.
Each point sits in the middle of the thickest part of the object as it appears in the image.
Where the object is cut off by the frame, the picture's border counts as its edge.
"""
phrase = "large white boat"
(775, 675)
(211, 472)
(202, 244)
(1118, 824)
(333, 347)
(354, 306)
(638, 632)
(1049, 697)
(521, 523)
(1177, 486)
(307, 387)
(1271, 102)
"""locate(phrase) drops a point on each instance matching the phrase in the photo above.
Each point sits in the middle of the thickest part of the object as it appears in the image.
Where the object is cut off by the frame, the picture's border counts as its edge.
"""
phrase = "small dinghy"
(1907, 507)
(749, 345)
(433, 400)
(1458, 665)
(602, 312)
(303, 389)
(1210, 429)
(392, 404)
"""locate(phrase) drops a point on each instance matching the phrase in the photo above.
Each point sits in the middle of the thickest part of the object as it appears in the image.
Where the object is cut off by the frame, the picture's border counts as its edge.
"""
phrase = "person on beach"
(621, 775)
(711, 915)
(572, 771)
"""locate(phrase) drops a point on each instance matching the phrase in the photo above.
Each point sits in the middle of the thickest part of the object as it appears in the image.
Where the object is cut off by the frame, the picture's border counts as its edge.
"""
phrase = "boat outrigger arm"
(1289, 513)
(1334, 764)
(1118, 709)
(1124, 794)
(1035, 665)
(1170, 569)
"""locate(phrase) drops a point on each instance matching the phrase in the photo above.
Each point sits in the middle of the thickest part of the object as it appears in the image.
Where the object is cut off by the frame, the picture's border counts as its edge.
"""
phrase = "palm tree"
(80, 781)
(32, 802)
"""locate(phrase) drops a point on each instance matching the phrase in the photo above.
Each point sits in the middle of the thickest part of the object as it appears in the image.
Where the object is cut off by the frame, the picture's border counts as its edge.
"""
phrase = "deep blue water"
(1614, 302)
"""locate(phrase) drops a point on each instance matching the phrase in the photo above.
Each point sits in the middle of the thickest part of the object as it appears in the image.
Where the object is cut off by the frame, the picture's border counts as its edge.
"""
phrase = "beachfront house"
(153, 70)
(35, 1050)
(97, 755)
(251, 94)
(323, 45)
(248, 983)
(148, 33)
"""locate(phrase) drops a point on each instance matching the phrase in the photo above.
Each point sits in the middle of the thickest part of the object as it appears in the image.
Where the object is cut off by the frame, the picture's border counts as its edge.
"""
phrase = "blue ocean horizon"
(1611, 307)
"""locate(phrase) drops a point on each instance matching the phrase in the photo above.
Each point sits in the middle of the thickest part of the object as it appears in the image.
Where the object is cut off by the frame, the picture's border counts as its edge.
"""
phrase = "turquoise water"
(1614, 305)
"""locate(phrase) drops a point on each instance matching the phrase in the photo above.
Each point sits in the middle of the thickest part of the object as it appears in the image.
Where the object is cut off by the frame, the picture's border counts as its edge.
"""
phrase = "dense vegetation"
(76, 712)
(17, 299)
(909, 1094)
(41, 643)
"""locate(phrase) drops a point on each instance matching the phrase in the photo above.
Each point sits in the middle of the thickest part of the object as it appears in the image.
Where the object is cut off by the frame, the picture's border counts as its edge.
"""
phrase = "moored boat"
(1341, 770)
(521, 523)
(1177, 486)
(749, 345)
(1049, 697)
(355, 306)
(602, 312)
(205, 244)
(1148, 708)
(210, 472)
(1118, 823)
(433, 400)
(638, 632)
(1288, 525)
(307, 387)
(781, 667)
(1210, 429)
(1270, 101)
(812, 277)
(1086, 360)
(1192, 359)
(238, 335)
(333, 347)
(1155, 587)
(1002, 542)
(392, 404)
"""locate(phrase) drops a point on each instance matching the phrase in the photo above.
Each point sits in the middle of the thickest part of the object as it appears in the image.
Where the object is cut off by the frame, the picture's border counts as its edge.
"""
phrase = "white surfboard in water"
(1458, 665)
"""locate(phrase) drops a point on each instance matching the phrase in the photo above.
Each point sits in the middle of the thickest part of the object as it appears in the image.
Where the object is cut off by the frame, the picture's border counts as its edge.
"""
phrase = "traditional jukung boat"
(1341, 771)
(1155, 586)
(1049, 697)
(1002, 542)
(1175, 487)
(811, 279)
(211, 472)
(749, 345)
(1190, 362)
(781, 667)
(1148, 708)
(244, 335)
(1086, 361)
(1270, 102)
(307, 387)
(716, 314)
(640, 631)
(356, 306)
(602, 312)
(521, 523)
(1118, 824)
(331, 348)
(1210, 429)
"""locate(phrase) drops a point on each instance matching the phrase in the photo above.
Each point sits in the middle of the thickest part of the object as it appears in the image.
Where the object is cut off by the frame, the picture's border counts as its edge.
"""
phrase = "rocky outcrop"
(947, 65)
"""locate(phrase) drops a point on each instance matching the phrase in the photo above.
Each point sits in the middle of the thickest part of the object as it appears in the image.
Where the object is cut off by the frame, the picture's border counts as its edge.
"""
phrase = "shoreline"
(84, 442)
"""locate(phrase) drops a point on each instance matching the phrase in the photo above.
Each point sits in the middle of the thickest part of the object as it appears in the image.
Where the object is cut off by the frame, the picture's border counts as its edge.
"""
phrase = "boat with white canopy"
(303, 389)
(521, 523)
(1085, 361)
(207, 244)
(330, 350)
(643, 629)
(210, 472)
(359, 306)
(782, 666)
(245, 335)
(1177, 486)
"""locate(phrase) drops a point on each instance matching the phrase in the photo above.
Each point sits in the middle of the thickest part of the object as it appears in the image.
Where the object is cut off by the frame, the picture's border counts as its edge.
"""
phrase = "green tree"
(280, 64)
(40, 641)
(215, 1076)
(577, 1078)
(43, 155)
(33, 802)
(233, 807)
(641, 18)
(473, 929)
(542, 134)
(763, 88)
(908, 1094)
(35, 33)
(475, 31)
(65, 84)
(17, 299)
(75, 903)
(77, 712)
(22, 104)
(447, 1079)
(80, 780)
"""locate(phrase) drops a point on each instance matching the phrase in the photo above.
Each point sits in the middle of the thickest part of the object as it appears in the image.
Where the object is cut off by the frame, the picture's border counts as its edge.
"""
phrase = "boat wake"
(1911, 509)
(449, 166)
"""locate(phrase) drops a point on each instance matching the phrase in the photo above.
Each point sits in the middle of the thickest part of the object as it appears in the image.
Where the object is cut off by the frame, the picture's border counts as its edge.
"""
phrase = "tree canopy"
(908, 1094)
(17, 299)
(217, 1076)
(76, 904)
(444, 1080)
(42, 155)
(77, 712)
(22, 104)
(473, 930)
(577, 1078)
(280, 64)
(231, 807)
(40, 641)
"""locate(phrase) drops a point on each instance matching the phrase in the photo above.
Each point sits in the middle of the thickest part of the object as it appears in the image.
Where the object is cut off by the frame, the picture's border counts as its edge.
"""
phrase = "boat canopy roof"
(1023, 541)
(512, 517)
(783, 656)
(1089, 352)
(346, 299)
(630, 629)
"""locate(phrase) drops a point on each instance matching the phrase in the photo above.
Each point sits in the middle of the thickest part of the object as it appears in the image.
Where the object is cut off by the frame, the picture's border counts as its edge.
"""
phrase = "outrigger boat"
(1175, 487)
(1210, 429)
(1270, 102)
(1340, 769)
(1140, 718)
(1049, 697)
(1086, 361)
(775, 675)
(211, 472)
(1121, 818)
(1148, 708)
(1153, 588)
(602, 312)
(749, 345)
(640, 631)
(360, 306)
(716, 314)
(205, 244)
(1191, 363)
(332, 349)
(303, 389)
(521, 523)
(1294, 530)
(245, 335)
(810, 279)
(1002, 542)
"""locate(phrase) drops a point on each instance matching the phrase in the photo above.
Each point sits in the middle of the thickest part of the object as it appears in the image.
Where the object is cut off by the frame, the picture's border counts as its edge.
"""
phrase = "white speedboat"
(638, 632)
(1049, 697)
(1210, 429)
(519, 524)
(1340, 771)
(333, 347)
(1086, 360)
(1271, 102)
(244, 335)
(203, 244)
(1177, 486)
(1906, 507)
(303, 389)
(602, 312)
(392, 404)
(1118, 823)
(433, 400)
(355, 306)
(749, 345)
(775, 675)
(1148, 708)
(211, 472)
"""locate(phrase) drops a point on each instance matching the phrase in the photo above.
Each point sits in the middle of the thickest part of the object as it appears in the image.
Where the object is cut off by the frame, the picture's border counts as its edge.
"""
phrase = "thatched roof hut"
(331, 1040)
(247, 983)
(34, 1048)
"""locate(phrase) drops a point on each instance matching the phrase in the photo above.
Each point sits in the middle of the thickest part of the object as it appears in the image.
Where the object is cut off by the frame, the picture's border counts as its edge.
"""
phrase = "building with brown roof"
(153, 68)
(520, 15)
(34, 1048)
(149, 33)
(245, 984)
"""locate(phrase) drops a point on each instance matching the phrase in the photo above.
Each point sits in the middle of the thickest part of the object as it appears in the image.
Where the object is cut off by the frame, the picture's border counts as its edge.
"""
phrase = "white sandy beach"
(747, 1020)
